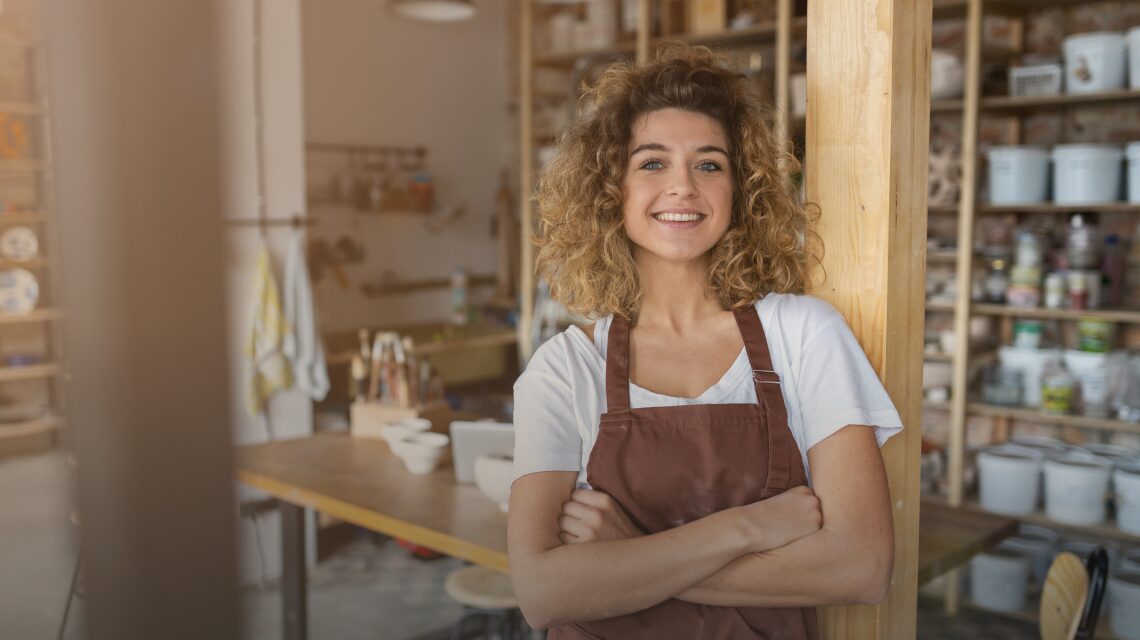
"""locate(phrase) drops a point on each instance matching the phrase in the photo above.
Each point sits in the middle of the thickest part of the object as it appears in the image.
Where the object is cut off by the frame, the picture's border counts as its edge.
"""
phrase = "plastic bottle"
(1112, 266)
(1057, 388)
(1081, 242)
(459, 297)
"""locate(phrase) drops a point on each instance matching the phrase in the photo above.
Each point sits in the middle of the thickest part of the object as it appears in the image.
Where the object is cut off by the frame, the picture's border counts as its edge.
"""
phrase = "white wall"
(372, 78)
(290, 413)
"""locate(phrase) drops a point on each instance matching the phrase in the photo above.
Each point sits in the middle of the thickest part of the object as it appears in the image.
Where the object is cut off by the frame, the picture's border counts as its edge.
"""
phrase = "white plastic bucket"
(1124, 605)
(1133, 39)
(1039, 550)
(1018, 174)
(1126, 485)
(1076, 487)
(1132, 153)
(1086, 173)
(1094, 62)
(1010, 478)
(998, 579)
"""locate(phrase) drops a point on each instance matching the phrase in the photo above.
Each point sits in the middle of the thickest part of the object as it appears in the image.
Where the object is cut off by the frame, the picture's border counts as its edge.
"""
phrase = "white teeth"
(678, 217)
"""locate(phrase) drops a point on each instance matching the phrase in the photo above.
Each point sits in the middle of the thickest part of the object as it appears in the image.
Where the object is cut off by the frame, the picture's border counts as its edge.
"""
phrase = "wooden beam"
(526, 178)
(866, 156)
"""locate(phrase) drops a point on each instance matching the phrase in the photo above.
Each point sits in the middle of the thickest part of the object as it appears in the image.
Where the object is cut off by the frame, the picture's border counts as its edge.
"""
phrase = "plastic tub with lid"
(1094, 62)
(1018, 174)
(1087, 173)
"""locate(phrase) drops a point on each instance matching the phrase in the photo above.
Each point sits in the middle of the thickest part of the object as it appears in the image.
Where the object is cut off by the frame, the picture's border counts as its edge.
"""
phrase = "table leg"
(294, 605)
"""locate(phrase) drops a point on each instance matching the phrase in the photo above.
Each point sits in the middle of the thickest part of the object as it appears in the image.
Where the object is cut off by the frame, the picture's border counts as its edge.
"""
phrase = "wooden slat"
(359, 481)
(29, 372)
(23, 218)
(38, 315)
(866, 149)
(1026, 103)
(34, 263)
(1063, 420)
(29, 436)
(1108, 207)
(1112, 315)
(950, 536)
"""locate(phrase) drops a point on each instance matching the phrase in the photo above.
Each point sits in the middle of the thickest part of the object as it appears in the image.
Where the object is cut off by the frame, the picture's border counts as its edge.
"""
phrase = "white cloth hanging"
(302, 344)
(266, 368)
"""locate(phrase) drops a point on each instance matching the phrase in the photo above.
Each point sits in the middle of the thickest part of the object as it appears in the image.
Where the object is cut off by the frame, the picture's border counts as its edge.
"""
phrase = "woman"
(661, 456)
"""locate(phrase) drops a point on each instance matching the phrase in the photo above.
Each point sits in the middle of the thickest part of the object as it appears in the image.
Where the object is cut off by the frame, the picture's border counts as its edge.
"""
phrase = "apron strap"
(781, 445)
(617, 365)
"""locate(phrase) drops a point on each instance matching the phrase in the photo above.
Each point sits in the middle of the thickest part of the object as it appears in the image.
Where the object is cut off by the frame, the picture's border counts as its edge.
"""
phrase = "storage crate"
(1037, 80)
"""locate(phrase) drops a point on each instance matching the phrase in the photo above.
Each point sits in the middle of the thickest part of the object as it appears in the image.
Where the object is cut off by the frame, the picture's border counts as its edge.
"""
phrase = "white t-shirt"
(827, 384)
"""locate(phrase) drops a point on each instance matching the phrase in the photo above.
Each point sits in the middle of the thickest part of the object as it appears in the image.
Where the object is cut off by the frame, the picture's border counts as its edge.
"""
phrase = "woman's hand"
(589, 516)
(783, 518)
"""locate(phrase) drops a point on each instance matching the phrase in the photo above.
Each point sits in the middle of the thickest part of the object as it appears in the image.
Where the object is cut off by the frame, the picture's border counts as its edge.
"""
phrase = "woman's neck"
(676, 298)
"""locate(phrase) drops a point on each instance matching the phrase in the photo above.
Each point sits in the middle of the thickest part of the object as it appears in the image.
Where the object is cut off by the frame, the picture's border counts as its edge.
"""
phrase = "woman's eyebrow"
(657, 146)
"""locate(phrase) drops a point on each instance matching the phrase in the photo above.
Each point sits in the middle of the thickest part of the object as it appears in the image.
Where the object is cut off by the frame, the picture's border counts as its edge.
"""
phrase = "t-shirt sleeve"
(546, 435)
(838, 387)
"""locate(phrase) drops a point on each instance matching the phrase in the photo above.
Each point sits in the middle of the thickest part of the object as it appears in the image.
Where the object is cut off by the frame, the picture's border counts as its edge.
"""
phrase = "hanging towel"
(303, 342)
(267, 369)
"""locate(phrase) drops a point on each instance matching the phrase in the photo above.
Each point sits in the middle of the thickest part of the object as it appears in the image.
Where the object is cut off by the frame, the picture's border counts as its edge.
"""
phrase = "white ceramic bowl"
(421, 452)
(493, 477)
(393, 432)
(414, 424)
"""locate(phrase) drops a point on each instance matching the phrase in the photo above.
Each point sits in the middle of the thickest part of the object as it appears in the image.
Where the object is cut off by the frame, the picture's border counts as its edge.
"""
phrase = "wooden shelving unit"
(34, 387)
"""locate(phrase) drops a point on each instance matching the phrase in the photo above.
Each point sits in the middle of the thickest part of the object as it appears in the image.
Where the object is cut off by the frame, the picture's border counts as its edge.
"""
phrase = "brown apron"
(670, 465)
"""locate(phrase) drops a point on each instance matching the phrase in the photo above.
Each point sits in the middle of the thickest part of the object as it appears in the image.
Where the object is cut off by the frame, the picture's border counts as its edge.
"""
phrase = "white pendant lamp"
(433, 10)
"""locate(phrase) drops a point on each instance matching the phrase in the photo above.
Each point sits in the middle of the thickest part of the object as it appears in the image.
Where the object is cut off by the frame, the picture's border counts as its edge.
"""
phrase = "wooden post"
(526, 180)
(783, 68)
(866, 157)
(964, 275)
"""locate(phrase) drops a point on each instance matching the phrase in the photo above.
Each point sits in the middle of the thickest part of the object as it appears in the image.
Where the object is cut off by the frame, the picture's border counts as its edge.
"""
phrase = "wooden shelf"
(570, 58)
(21, 108)
(38, 315)
(21, 165)
(478, 338)
(25, 428)
(1019, 103)
(1038, 313)
(30, 217)
(1106, 530)
(944, 256)
(29, 372)
(756, 34)
(938, 357)
(1041, 417)
(1107, 207)
(34, 263)
(944, 307)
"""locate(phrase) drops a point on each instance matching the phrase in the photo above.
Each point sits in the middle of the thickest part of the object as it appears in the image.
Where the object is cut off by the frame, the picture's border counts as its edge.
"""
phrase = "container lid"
(1013, 451)
(1078, 458)
(1017, 149)
(1098, 149)
(1083, 38)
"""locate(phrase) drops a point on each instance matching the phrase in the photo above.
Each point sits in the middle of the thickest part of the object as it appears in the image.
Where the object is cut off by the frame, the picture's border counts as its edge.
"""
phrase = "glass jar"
(997, 281)
(1081, 243)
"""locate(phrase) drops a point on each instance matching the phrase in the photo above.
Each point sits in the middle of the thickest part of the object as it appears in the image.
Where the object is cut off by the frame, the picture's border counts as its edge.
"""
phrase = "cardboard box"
(708, 16)
(366, 418)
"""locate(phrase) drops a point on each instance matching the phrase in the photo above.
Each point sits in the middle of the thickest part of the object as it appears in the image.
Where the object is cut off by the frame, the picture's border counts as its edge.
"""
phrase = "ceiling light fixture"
(433, 10)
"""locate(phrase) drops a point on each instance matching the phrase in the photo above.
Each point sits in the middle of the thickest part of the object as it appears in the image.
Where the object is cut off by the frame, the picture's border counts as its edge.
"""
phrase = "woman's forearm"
(824, 568)
(595, 580)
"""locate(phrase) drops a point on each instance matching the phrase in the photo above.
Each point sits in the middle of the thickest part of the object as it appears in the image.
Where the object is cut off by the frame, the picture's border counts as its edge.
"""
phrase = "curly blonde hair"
(584, 252)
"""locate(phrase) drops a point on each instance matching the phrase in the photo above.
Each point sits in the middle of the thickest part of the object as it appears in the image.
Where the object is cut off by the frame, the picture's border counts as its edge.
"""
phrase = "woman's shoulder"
(797, 309)
(564, 354)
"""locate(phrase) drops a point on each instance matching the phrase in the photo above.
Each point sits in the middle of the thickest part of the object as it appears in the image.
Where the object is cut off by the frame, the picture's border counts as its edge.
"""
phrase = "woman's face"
(678, 185)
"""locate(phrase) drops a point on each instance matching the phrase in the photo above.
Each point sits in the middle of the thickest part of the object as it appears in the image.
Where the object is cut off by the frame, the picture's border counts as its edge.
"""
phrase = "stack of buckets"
(1082, 173)
(1079, 485)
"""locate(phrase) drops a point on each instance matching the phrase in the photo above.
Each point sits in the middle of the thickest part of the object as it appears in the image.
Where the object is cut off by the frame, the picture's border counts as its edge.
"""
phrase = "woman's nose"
(681, 183)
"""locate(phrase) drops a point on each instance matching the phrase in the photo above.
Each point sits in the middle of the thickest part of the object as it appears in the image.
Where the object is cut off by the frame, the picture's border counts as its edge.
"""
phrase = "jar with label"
(1055, 290)
(1082, 242)
(1028, 250)
(1057, 388)
(1003, 386)
(1094, 392)
(1094, 336)
(1025, 287)
(1078, 290)
(1027, 333)
(997, 281)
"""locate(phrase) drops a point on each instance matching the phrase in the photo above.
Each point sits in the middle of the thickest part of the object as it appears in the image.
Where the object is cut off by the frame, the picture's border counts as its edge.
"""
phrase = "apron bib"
(667, 466)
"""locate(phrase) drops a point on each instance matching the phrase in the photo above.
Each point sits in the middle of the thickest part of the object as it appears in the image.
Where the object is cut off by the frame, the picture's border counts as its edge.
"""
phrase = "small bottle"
(1054, 290)
(1081, 242)
(1078, 290)
(1112, 266)
(997, 281)
(459, 297)
(1057, 388)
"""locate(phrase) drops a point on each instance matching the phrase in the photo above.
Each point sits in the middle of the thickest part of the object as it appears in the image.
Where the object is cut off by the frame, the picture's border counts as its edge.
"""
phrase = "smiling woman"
(663, 458)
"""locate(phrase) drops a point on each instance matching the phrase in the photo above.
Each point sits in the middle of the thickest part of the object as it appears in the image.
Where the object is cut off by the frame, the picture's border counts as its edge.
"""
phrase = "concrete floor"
(369, 590)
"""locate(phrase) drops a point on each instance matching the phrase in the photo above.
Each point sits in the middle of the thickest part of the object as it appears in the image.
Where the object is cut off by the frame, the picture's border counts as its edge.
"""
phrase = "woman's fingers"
(583, 512)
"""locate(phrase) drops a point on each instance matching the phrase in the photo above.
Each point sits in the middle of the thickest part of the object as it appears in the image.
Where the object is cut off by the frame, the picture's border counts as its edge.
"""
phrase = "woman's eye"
(708, 166)
(652, 165)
